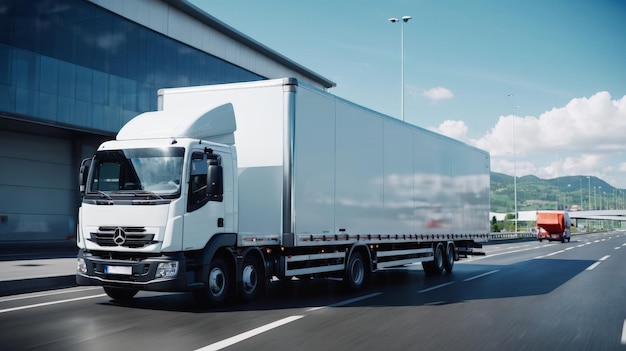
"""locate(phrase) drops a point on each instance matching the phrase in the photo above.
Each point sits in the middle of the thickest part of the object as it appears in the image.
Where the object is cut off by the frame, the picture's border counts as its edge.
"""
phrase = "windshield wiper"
(105, 195)
(148, 193)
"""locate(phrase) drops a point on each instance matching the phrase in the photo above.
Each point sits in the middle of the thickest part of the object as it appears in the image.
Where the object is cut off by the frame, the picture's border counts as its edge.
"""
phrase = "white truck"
(227, 186)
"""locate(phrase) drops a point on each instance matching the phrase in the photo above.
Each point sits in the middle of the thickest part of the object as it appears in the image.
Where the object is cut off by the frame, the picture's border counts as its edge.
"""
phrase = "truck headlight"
(167, 269)
(81, 266)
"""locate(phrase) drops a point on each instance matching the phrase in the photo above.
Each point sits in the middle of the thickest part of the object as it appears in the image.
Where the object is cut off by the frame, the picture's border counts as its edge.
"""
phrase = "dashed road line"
(481, 275)
(267, 327)
(247, 335)
(624, 333)
(50, 303)
(435, 287)
(595, 264)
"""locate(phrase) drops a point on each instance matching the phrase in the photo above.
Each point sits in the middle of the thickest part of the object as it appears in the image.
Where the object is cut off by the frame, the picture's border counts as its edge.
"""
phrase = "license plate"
(125, 270)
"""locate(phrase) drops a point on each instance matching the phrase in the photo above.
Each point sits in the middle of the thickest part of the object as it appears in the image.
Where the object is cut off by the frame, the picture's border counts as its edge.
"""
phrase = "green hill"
(534, 193)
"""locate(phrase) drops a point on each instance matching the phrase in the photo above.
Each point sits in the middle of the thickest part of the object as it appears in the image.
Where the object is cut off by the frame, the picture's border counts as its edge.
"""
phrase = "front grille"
(131, 237)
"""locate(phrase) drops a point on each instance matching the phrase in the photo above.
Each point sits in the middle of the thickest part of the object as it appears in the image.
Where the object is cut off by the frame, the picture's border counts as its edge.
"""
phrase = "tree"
(494, 225)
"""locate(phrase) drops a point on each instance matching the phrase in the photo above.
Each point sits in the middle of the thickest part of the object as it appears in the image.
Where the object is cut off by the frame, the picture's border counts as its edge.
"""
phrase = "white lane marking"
(481, 275)
(50, 303)
(624, 333)
(435, 287)
(250, 333)
(597, 263)
(554, 253)
(56, 292)
(262, 329)
(472, 259)
(346, 302)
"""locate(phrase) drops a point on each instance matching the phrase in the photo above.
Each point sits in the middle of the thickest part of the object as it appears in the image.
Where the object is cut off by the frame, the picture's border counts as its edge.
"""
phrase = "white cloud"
(453, 129)
(438, 93)
(585, 137)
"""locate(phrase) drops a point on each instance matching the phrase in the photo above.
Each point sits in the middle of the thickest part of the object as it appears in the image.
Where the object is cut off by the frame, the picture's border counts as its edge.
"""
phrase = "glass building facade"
(72, 63)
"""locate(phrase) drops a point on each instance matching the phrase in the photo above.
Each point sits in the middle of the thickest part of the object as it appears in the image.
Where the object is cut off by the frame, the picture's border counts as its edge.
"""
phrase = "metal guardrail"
(512, 235)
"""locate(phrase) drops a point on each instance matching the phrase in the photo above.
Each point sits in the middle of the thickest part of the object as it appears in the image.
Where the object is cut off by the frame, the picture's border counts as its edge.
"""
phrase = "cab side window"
(205, 180)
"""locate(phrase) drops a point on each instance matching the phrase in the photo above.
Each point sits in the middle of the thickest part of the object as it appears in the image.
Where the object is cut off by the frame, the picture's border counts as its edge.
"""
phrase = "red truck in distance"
(553, 225)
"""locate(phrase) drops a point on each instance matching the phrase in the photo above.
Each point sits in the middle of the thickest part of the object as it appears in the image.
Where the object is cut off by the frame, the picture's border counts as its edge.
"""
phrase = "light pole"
(589, 181)
(580, 181)
(404, 20)
(514, 169)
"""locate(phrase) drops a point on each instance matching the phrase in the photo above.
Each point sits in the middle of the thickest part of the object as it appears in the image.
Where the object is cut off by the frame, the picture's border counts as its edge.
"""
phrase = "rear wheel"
(218, 284)
(120, 294)
(252, 279)
(436, 266)
(356, 272)
(448, 262)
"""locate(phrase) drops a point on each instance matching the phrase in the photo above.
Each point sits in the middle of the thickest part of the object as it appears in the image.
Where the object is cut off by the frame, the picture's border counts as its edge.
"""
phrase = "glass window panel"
(82, 116)
(129, 96)
(27, 102)
(67, 79)
(143, 98)
(7, 98)
(97, 115)
(49, 81)
(5, 63)
(83, 83)
(48, 106)
(116, 87)
(111, 118)
(7, 24)
(100, 87)
(65, 109)
(25, 70)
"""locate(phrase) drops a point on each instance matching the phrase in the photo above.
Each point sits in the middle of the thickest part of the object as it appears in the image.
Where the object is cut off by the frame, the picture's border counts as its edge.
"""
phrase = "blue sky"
(563, 62)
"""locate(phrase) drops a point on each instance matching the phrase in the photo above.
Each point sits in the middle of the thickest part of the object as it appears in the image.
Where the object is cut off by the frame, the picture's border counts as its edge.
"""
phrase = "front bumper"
(134, 273)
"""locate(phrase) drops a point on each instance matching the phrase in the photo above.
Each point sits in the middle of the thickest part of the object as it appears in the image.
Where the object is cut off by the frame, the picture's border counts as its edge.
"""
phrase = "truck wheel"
(120, 294)
(435, 267)
(252, 279)
(448, 262)
(356, 273)
(218, 284)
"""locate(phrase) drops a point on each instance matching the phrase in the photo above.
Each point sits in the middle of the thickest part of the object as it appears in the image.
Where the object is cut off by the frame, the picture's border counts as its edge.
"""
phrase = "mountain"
(534, 193)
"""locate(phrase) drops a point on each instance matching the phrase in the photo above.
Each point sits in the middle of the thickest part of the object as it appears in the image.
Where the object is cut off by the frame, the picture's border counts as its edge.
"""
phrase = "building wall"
(73, 72)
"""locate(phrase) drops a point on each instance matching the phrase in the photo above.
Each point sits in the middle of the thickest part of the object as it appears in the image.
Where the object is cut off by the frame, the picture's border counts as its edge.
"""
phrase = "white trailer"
(229, 185)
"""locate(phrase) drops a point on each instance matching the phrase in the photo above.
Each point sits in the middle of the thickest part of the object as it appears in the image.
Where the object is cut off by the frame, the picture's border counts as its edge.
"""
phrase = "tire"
(218, 284)
(356, 274)
(448, 260)
(252, 279)
(435, 267)
(120, 294)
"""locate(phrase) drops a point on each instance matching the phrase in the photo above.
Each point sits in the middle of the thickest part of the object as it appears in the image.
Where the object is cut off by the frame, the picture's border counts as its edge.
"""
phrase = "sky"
(539, 84)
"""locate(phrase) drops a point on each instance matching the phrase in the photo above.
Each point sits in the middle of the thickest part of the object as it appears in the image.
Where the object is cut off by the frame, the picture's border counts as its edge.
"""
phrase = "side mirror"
(83, 174)
(215, 182)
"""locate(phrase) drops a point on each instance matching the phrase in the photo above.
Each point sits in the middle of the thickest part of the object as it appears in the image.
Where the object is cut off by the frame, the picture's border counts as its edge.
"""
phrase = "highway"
(520, 296)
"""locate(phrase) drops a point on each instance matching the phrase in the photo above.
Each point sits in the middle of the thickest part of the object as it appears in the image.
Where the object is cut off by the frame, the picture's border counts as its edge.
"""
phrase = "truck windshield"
(153, 172)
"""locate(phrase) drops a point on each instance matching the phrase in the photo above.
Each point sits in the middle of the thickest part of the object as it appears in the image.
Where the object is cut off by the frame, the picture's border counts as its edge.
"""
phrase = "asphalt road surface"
(521, 296)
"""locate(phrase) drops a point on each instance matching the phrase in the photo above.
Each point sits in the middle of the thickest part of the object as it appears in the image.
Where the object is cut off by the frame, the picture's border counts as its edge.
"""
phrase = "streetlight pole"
(580, 181)
(404, 20)
(589, 192)
(514, 170)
